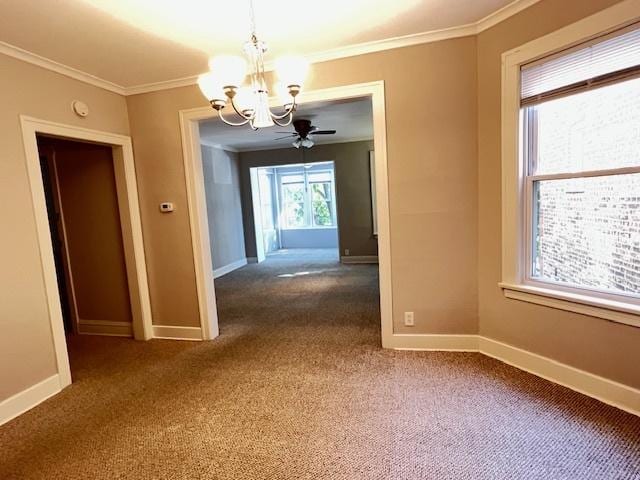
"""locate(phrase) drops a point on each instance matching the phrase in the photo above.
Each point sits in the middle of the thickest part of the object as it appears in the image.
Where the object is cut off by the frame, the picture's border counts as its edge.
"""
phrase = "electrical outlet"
(347, 252)
(408, 319)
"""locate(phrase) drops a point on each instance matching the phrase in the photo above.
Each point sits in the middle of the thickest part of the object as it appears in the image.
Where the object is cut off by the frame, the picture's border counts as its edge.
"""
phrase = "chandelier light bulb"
(282, 92)
(223, 85)
(210, 87)
(245, 99)
(228, 70)
(292, 70)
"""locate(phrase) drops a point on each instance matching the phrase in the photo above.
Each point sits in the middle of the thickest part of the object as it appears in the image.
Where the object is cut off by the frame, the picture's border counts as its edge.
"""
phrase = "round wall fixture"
(80, 108)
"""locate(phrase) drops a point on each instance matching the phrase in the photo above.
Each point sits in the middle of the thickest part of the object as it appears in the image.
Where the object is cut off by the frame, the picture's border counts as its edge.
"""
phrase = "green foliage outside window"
(321, 198)
(308, 208)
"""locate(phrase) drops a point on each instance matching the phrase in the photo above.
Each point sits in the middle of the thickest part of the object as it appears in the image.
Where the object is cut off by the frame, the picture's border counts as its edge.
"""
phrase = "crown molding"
(481, 25)
(34, 59)
(502, 14)
(164, 85)
(333, 54)
(218, 146)
(287, 146)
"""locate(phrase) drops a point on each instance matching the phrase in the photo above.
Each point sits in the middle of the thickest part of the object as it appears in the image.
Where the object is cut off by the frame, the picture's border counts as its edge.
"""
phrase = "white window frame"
(308, 201)
(516, 188)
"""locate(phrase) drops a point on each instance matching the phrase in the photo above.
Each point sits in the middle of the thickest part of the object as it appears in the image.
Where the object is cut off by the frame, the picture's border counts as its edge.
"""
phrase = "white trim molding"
(515, 283)
(25, 400)
(105, 327)
(218, 146)
(365, 138)
(626, 313)
(356, 259)
(434, 342)
(607, 391)
(375, 46)
(48, 64)
(131, 228)
(170, 332)
(429, 36)
(219, 272)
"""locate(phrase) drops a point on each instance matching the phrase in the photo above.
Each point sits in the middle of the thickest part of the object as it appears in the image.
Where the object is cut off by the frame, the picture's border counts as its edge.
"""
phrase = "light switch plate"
(408, 319)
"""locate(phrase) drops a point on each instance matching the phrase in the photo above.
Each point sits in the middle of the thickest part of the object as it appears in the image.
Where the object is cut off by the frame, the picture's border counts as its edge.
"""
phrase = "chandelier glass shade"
(223, 85)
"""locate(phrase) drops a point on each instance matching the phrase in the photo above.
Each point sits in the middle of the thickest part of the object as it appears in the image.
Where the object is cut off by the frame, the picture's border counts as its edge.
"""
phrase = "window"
(294, 201)
(321, 185)
(308, 199)
(580, 119)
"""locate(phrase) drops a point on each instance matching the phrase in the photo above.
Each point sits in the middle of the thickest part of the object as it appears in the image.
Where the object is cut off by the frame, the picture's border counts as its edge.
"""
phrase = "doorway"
(130, 225)
(86, 235)
(191, 142)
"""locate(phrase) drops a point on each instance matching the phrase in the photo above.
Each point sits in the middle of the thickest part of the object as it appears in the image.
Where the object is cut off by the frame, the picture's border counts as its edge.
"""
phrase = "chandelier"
(222, 84)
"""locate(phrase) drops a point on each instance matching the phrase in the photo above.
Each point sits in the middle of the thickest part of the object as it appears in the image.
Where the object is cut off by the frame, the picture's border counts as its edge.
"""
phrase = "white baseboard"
(359, 259)
(29, 398)
(613, 393)
(435, 342)
(218, 272)
(607, 391)
(170, 332)
(105, 327)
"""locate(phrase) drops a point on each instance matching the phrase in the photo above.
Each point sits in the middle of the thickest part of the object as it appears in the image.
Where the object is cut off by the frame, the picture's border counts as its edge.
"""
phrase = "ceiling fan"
(304, 132)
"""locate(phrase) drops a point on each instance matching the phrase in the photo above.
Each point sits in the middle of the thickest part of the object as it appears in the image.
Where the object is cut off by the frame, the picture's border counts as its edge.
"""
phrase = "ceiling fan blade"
(288, 136)
(324, 132)
(290, 133)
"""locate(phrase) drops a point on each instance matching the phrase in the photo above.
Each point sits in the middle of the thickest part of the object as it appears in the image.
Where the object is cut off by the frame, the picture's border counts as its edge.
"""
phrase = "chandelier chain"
(252, 19)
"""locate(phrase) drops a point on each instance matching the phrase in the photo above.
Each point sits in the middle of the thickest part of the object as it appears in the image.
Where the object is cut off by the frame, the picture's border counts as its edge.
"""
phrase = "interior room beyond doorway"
(297, 207)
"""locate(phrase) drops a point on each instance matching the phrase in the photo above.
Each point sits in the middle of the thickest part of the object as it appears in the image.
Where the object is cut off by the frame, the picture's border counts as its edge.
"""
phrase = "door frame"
(55, 185)
(257, 214)
(129, 208)
(196, 200)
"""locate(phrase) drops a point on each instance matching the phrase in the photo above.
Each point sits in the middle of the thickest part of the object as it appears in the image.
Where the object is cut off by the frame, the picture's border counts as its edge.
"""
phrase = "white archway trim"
(198, 214)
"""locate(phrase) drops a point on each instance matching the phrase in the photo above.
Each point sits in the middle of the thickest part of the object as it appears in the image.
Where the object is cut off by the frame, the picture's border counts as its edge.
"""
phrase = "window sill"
(626, 313)
(288, 229)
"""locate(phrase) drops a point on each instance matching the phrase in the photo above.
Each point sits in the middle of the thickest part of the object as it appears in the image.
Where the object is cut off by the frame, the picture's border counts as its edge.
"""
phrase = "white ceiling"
(130, 43)
(352, 120)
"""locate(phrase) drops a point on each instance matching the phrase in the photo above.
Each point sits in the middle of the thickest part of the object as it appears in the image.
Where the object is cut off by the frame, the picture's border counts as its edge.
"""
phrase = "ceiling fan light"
(292, 70)
(228, 70)
(297, 143)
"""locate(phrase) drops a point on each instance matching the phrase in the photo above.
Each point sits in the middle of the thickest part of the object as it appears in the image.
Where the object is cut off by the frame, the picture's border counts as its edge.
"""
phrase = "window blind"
(602, 62)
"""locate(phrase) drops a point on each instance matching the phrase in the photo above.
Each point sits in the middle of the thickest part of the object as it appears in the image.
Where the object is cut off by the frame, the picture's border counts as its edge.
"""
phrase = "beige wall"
(599, 346)
(432, 183)
(26, 345)
(155, 131)
(353, 190)
(89, 200)
(443, 121)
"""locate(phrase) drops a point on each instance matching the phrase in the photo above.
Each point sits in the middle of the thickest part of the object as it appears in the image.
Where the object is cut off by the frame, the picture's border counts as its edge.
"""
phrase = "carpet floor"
(297, 387)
